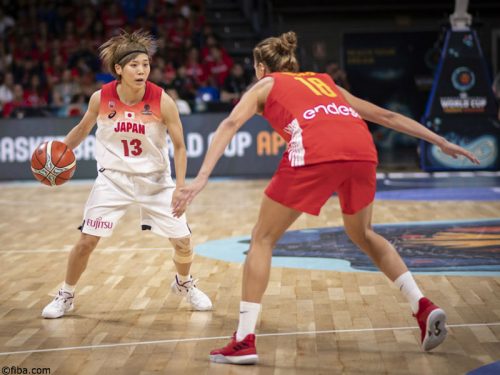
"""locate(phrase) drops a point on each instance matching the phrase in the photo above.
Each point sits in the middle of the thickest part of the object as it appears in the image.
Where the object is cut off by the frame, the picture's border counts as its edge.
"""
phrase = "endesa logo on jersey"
(330, 109)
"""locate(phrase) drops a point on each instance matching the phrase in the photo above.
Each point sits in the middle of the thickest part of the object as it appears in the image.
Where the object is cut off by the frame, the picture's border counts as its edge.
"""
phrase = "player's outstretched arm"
(244, 110)
(83, 128)
(403, 124)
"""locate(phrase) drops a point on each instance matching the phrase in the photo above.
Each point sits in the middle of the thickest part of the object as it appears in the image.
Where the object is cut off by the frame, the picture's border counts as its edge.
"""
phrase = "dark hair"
(125, 47)
(278, 53)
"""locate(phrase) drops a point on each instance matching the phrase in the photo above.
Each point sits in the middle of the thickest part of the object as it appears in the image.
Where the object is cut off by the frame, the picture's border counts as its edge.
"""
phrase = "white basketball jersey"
(131, 139)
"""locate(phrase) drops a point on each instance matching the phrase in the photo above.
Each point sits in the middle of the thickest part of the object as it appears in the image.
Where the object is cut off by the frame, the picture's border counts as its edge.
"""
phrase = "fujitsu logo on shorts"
(99, 223)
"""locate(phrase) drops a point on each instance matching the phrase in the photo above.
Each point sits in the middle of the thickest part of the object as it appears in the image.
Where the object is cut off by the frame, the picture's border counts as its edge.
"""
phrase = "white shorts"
(114, 192)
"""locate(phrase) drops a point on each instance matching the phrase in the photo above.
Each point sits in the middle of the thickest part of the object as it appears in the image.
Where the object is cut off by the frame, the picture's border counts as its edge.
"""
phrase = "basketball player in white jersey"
(133, 117)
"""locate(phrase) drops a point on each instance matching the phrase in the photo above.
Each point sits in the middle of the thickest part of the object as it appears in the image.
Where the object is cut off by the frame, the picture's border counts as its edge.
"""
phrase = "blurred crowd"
(49, 60)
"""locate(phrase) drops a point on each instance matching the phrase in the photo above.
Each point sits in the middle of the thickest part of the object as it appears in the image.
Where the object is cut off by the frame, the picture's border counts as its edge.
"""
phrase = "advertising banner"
(254, 151)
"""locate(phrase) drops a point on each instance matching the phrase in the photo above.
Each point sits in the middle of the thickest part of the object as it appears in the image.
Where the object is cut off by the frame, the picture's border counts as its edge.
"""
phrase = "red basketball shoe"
(431, 320)
(237, 352)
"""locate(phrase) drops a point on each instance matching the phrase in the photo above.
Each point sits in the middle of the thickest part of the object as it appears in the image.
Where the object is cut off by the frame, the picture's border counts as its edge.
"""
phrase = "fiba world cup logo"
(463, 79)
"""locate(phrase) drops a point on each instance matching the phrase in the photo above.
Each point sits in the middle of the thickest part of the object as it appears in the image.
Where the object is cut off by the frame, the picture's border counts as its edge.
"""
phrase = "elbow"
(180, 148)
(229, 123)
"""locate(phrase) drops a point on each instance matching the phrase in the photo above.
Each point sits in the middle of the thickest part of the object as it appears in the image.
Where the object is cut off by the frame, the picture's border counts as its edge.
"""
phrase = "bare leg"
(182, 268)
(274, 219)
(79, 257)
(384, 255)
(183, 254)
(430, 317)
(184, 284)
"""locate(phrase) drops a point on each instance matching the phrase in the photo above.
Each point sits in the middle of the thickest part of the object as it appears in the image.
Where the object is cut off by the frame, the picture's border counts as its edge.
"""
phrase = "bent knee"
(86, 244)
(359, 237)
(183, 249)
(263, 237)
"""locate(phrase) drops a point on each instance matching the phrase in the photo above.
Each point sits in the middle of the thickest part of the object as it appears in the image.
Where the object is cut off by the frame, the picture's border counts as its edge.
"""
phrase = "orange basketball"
(53, 163)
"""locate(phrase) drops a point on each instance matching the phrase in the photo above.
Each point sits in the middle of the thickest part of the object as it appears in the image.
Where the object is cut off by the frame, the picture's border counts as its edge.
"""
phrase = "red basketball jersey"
(319, 125)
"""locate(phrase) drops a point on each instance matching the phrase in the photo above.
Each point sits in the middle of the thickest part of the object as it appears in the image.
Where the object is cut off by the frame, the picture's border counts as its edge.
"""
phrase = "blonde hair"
(278, 53)
(125, 47)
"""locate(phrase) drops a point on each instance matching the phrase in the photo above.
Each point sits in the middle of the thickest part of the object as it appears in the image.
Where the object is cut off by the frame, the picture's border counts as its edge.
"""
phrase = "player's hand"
(184, 196)
(177, 207)
(455, 151)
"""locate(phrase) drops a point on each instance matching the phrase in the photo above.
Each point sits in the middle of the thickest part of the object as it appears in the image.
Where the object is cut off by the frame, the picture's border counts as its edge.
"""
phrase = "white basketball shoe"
(199, 301)
(61, 304)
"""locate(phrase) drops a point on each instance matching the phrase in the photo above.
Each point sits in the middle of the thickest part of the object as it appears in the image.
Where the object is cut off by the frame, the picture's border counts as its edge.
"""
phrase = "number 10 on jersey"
(317, 86)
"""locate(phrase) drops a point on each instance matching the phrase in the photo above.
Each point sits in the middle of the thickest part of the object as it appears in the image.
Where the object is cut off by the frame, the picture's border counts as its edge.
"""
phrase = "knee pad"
(183, 249)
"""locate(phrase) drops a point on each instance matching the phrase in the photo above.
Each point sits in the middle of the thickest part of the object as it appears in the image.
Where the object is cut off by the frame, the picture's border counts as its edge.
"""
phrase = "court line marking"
(38, 203)
(90, 181)
(297, 333)
(68, 248)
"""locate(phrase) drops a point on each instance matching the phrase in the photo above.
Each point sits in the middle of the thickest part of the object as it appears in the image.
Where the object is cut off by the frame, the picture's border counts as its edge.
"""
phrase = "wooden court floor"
(126, 321)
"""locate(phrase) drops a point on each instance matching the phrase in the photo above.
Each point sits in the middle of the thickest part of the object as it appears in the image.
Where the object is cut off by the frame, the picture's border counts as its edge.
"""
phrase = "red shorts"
(308, 188)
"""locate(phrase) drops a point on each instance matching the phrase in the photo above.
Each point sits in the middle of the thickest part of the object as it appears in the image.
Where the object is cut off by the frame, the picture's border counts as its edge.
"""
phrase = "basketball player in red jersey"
(133, 116)
(330, 149)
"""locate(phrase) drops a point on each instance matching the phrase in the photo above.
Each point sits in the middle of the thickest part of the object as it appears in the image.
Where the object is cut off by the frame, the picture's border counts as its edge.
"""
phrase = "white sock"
(183, 278)
(68, 288)
(407, 285)
(249, 313)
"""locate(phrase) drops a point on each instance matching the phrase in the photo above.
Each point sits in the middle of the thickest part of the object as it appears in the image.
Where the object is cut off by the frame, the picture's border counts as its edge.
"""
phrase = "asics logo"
(330, 109)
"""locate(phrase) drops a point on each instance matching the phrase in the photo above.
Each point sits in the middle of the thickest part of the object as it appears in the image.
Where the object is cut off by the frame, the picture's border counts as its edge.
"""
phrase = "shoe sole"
(250, 359)
(204, 309)
(436, 330)
(60, 316)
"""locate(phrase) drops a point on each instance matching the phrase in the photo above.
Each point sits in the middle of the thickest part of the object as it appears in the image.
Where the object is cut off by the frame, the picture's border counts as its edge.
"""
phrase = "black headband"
(131, 52)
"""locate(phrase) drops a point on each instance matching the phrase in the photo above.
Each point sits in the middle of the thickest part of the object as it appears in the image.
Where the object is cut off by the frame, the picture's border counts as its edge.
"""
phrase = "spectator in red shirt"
(179, 33)
(168, 70)
(194, 69)
(36, 94)
(70, 43)
(113, 19)
(218, 66)
(54, 70)
(43, 50)
(16, 102)
(211, 41)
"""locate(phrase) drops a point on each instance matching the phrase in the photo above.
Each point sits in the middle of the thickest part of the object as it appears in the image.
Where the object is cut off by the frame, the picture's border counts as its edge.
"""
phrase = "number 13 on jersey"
(134, 150)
